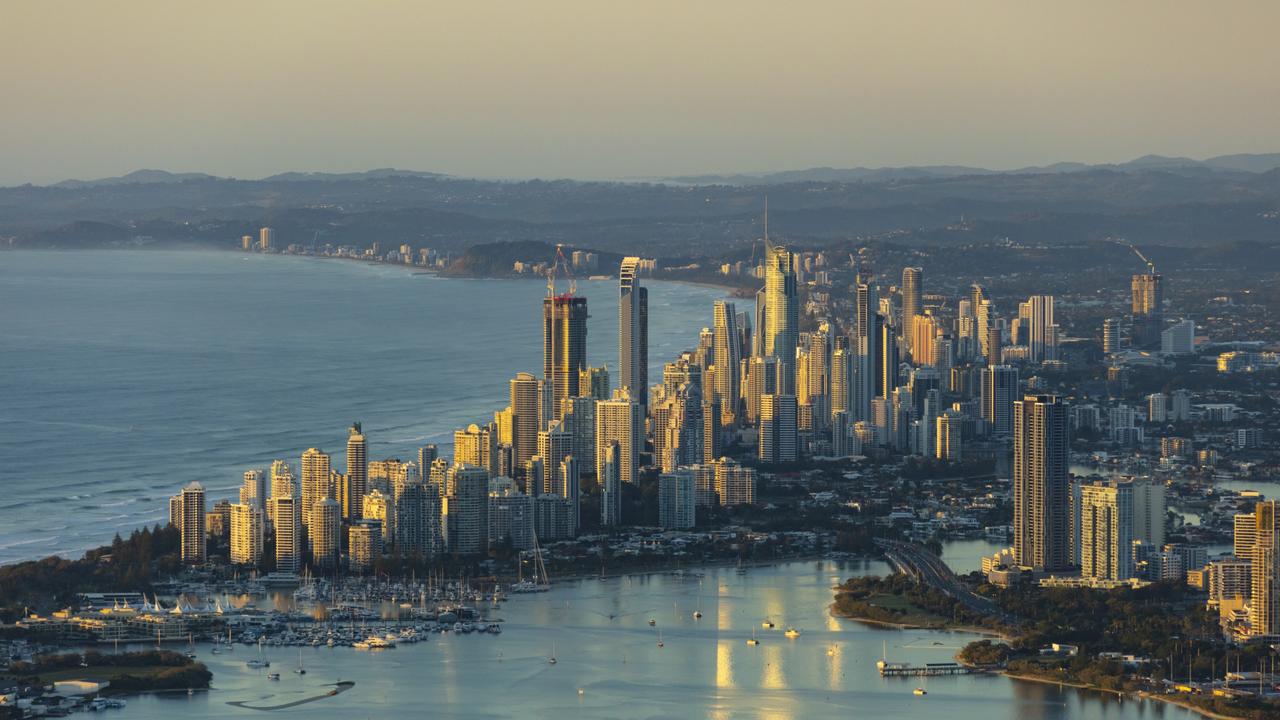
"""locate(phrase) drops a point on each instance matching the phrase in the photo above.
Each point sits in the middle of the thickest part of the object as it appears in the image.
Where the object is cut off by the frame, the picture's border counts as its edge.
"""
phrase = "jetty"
(893, 669)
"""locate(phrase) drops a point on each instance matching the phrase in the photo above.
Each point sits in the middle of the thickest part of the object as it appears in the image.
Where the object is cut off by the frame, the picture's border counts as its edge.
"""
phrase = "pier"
(891, 669)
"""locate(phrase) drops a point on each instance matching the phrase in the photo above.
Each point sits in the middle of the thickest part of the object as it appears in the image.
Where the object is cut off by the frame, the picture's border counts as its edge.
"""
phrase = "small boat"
(753, 640)
(301, 670)
(552, 659)
(652, 622)
(697, 614)
(920, 691)
(792, 633)
(767, 625)
(257, 663)
(273, 676)
(660, 638)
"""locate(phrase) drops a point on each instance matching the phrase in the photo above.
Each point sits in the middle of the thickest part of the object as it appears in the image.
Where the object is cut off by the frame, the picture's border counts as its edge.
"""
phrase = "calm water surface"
(705, 669)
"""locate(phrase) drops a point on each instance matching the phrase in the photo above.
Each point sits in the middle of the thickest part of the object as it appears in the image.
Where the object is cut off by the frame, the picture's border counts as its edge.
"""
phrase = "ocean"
(125, 375)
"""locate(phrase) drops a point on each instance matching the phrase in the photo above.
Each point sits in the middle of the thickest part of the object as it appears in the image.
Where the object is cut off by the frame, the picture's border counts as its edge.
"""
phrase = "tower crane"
(1151, 267)
(560, 261)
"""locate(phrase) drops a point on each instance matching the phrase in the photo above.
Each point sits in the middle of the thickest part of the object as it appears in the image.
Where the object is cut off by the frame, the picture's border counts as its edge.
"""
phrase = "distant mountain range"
(1246, 163)
(151, 177)
(1241, 163)
(1150, 201)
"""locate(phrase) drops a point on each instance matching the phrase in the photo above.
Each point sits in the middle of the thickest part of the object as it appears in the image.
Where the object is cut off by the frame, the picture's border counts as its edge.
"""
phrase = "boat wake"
(338, 688)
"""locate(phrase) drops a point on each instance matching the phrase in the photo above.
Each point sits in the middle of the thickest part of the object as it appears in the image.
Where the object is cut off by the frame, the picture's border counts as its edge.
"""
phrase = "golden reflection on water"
(835, 666)
(772, 675)
(724, 664)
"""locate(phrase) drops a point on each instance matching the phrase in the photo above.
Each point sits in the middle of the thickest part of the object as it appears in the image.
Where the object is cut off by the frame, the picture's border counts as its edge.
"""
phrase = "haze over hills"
(146, 177)
(1246, 162)
(1156, 201)
(1252, 163)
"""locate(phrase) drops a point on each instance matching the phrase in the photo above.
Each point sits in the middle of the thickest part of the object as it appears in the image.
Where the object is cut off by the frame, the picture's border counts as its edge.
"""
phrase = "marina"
(585, 648)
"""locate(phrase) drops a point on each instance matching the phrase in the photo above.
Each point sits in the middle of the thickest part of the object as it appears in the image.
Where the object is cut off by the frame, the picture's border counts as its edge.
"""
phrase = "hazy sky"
(550, 88)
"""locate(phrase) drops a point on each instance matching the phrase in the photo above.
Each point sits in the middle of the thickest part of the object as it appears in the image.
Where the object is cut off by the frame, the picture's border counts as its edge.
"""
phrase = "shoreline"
(728, 287)
(579, 577)
(970, 629)
(1140, 695)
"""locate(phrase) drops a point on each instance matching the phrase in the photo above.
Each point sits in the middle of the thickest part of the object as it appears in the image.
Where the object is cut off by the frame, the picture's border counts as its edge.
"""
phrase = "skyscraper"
(619, 421)
(289, 541)
(726, 360)
(316, 471)
(948, 444)
(380, 507)
(924, 329)
(633, 331)
(1179, 338)
(253, 491)
(569, 477)
(427, 455)
(578, 418)
(1106, 531)
(609, 476)
(677, 499)
(841, 377)
(526, 419)
(266, 238)
(778, 439)
(711, 440)
(478, 446)
(357, 473)
(594, 383)
(366, 542)
(511, 515)
(1042, 337)
(734, 484)
(564, 345)
(246, 534)
(1111, 335)
(554, 445)
(912, 302)
(417, 524)
(991, 345)
(999, 392)
(1148, 309)
(1040, 483)
(818, 376)
(193, 533)
(465, 509)
(782, 315)
(1264, 605)
(282, 479)
(888, 364)
(325, 532)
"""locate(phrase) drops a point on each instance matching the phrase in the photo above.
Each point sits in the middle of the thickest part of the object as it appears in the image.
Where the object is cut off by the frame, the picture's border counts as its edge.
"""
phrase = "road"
(927, 568)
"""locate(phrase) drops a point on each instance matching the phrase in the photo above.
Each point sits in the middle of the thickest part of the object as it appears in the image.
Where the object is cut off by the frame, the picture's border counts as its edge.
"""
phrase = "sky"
(621, 89)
